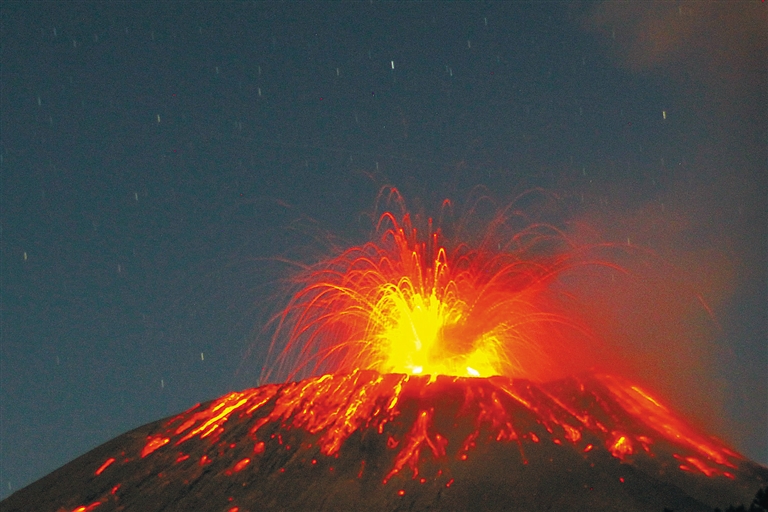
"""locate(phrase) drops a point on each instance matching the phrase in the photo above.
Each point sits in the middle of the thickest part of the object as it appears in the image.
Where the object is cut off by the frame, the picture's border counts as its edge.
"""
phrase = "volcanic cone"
(370, 441)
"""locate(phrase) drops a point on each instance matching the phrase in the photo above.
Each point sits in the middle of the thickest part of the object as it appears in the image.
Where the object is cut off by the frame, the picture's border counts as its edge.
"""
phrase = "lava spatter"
(411, 302)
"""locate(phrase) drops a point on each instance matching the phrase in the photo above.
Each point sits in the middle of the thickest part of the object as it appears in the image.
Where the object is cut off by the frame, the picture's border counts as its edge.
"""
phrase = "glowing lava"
(405, 304)
(621, 417)
(397, 435)
(426, 366)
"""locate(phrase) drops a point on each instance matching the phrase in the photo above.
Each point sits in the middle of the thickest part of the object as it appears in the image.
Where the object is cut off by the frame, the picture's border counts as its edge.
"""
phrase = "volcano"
(420, 376)
(371, 441)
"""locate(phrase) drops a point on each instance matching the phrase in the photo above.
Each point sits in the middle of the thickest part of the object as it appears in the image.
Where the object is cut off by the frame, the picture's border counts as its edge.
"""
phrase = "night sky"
(159, 163)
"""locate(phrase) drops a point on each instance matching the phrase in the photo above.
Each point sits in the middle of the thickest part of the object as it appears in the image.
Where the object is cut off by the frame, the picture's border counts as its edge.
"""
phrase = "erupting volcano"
(420, 376)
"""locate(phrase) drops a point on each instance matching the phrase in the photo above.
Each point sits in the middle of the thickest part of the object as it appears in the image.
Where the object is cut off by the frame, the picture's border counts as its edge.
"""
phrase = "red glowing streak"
(88, 508)
(153, 443)
(104, 466)
(418, 436)
(240, 465)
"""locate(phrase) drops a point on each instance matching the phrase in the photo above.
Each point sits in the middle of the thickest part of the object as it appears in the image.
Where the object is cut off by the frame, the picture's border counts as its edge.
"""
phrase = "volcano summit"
(370, 441)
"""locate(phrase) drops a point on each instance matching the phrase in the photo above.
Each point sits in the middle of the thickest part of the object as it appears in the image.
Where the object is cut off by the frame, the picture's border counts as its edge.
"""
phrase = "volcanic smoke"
(421, 375)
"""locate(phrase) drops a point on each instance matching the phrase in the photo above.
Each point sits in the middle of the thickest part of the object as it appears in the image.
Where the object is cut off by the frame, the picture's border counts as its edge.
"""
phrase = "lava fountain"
(421, 376)
(405, 303)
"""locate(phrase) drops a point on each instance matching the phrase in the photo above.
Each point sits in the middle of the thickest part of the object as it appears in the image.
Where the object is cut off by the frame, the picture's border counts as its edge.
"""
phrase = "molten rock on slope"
(396, 442)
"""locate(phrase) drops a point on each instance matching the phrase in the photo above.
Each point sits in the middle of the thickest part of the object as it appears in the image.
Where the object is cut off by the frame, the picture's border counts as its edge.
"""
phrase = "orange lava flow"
(331, 408)
(648, 410)
(104, 466)
(153, 444)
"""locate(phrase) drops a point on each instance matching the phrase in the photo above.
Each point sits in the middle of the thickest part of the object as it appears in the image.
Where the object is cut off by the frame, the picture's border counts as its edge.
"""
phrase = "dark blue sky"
(156, 159)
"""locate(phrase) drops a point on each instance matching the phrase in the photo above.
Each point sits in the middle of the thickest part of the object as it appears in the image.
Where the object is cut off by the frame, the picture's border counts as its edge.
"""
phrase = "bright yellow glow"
(408, 335)
(403, 305)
